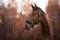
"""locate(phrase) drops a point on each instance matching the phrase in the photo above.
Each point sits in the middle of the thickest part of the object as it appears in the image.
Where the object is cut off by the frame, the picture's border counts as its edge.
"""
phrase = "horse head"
(34, 17)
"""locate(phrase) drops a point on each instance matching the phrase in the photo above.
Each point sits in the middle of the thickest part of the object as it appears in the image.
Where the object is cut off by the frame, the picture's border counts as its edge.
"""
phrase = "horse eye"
(33, 14)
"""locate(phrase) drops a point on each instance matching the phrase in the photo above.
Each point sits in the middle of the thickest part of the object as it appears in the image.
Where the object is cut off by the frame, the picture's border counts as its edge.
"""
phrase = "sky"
(40, 3)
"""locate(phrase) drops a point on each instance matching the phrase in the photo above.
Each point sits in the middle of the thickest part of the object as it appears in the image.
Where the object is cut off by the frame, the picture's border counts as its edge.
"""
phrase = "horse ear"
(35, 5)
(32, 6)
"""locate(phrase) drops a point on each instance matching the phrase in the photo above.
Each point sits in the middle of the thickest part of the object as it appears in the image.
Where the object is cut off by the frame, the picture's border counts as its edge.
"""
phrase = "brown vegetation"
(53, 10)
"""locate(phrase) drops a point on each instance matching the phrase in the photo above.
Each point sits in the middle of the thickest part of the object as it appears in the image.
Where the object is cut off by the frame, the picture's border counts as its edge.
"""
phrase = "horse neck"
(46, 26)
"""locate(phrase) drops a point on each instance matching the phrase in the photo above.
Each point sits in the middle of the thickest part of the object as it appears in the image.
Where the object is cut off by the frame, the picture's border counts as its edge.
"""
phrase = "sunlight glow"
(40, 3)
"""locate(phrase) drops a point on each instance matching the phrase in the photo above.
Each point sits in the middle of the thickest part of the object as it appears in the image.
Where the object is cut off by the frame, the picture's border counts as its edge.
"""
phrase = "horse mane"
(46, 25)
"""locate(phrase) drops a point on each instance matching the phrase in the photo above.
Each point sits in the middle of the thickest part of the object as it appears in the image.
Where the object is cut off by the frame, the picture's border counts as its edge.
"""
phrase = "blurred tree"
(53, 9)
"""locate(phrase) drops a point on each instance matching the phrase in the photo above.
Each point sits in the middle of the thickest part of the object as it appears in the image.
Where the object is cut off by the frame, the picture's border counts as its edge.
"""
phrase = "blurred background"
(50, 7)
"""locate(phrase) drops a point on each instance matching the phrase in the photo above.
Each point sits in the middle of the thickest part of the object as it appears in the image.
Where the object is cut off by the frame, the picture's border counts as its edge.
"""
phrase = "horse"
(38, 16)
